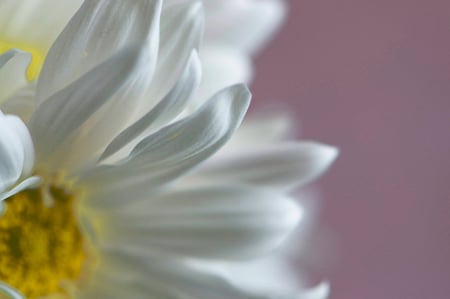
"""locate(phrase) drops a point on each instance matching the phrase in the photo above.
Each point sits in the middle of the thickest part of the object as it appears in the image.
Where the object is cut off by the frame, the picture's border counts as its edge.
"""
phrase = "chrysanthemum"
(94, 202)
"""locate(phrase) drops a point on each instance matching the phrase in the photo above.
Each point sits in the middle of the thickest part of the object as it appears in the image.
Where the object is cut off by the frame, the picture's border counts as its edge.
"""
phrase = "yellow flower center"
(37, 55)
(41, 246)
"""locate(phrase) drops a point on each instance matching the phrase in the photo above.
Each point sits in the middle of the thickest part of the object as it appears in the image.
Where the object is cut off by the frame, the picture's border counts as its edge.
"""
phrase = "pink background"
(373, 77)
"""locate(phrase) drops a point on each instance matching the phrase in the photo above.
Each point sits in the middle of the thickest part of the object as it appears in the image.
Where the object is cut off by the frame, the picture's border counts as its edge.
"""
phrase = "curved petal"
(57, 119)
(157, 277)
(164, 112)
(282, 166)
(261, 129)
(150, 277)
(222, 66)
(320, 291)
(270, 276)
(27, 22)
(21, 102)
(13, 66)
(182, 26)
(222, 222)
(21, 132)
(28, 183)
(176, 148)
(8, 292)
(97, 31)
(16, 151)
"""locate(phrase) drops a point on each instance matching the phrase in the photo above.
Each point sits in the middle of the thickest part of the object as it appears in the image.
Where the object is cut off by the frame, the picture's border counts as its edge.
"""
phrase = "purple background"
(373, 77)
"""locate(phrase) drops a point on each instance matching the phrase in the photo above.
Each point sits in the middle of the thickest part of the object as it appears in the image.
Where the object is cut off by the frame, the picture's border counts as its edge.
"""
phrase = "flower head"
(104, 187)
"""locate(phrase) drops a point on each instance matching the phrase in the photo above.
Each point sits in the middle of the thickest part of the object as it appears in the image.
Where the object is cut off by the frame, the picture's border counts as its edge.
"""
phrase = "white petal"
(28, 22)
(222, 66)
(16, 156)
(282, 166)
(58, 118)
(173, 150)
(246, 25)
(22, 102)
(124, 276)
(16, 151)
(270, 276)
(13, 66)
(96, 32)
(261, 129)
(224, 223)
(158, 277)
(181, 32)
(164, 112)
(7, 292)
(320, 291)
(28, 183)
(21, 132)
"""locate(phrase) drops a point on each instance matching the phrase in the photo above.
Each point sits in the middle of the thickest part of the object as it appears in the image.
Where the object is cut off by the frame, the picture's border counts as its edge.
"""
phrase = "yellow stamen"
(41, 246)
(37, 54)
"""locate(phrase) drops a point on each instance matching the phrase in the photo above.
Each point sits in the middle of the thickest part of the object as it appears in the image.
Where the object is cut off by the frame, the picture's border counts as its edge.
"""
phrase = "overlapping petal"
(170, 152)
(164, 112)
(57, 119)
(246, 25)
(282, 166)
(13, 65)
(27, 22)
(222, 222)
(96, 32)
(182, 28)
(175, 279)
(16, 152)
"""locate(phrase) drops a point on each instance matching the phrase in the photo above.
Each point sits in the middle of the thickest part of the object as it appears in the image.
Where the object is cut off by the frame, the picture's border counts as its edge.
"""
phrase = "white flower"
(107, 131)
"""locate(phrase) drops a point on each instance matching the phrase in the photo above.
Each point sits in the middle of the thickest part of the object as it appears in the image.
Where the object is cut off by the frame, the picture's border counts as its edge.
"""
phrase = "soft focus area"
(372, 77)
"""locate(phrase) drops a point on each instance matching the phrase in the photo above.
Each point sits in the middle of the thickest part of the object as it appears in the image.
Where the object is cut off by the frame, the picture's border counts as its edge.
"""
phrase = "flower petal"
(164, 112)
(16, 151)
(21, 132)
(259, 130)
(157, 277)
(125, 276)
(181, 32)
(222, 66)
(27, 22)
(97, 31)
(321, 291)
(173, 150)
(28, 183)
(270, 276)
(22, 102)
(223, 222)
(57, 119)
(13, 66)
(281, 166)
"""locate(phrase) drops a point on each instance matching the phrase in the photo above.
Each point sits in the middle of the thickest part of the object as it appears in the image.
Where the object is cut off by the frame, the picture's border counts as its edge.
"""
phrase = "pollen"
(41, 245)
(37, 55)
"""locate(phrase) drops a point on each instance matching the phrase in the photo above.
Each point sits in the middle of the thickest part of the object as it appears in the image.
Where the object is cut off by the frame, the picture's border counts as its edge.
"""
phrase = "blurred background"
(373, 78)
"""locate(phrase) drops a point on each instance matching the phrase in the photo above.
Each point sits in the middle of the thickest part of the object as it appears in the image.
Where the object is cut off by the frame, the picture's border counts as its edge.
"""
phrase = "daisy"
(94, 202)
